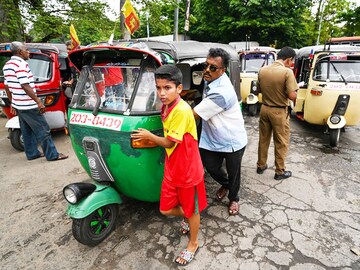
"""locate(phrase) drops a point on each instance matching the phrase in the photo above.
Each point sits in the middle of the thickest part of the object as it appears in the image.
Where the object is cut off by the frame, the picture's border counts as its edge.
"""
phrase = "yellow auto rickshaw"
(329, 94)
(251, 60)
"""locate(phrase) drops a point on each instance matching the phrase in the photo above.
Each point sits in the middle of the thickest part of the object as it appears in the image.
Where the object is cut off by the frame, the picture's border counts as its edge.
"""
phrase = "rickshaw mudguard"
(102, 195)
(252, 99)
(13, 123)
(341, 124)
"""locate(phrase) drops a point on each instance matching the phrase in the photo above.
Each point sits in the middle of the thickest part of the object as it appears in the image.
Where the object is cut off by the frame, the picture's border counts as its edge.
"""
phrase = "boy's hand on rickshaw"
(141, 133)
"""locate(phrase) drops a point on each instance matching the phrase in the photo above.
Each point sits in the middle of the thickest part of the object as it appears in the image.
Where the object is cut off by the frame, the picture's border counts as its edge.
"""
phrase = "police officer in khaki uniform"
(277, 84)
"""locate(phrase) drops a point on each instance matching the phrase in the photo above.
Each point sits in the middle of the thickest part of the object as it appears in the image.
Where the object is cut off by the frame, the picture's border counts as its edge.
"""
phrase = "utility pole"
(321, 16)
(176, 21)
(147, 24)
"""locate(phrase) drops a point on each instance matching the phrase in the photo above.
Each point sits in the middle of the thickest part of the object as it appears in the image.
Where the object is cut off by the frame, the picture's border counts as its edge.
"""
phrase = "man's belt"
(275, 106)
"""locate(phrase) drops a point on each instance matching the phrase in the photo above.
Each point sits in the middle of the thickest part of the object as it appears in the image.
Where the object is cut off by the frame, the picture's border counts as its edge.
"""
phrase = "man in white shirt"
(223, 134)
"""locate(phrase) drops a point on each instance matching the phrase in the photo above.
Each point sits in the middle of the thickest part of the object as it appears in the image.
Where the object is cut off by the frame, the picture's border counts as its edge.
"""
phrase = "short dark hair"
(219, 52)
(169, 72)
(68, 43)
(285, 53)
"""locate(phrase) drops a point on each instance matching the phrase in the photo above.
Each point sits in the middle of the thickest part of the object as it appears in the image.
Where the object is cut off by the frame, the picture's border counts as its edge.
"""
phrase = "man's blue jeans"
(35, 130)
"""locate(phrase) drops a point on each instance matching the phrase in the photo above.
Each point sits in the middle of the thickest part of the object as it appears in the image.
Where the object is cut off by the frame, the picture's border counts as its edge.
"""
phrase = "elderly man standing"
(277, 84)
(20, 89)
(223, 135)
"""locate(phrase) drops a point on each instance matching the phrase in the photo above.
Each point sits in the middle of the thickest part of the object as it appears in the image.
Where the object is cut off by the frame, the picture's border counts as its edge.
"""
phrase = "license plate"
(3, 94)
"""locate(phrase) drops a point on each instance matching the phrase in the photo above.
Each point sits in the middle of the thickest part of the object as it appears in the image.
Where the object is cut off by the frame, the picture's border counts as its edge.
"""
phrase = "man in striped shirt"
(20, 89)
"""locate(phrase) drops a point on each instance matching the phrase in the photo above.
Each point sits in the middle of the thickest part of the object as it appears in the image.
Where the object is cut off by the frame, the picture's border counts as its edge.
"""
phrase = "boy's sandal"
(187, 256)
(185, 228)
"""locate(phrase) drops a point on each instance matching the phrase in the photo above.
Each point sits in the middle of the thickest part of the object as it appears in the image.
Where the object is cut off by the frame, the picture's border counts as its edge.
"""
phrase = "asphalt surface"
(310, 221)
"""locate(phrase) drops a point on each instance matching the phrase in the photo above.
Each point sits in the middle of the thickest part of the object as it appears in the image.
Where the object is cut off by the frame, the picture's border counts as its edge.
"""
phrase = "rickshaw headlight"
(335, 119)
(73, 193)
(70, 195)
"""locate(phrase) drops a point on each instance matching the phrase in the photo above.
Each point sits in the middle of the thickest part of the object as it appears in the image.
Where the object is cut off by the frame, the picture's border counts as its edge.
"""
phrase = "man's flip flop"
(60, 157)
(39, 156)
(187, 256)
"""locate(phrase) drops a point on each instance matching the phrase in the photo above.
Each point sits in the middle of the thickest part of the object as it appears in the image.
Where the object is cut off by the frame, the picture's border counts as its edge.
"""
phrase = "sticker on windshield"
(100, 121)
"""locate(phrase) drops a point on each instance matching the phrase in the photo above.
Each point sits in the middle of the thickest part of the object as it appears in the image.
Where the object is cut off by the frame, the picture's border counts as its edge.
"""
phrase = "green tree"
(351, 17)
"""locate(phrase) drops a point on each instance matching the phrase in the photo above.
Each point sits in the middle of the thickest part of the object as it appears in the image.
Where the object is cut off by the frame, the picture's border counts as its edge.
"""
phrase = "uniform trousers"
(273, 121)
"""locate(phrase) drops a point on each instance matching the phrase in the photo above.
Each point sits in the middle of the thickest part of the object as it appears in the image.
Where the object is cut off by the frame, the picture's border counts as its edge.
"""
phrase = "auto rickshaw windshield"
(121, 88)
(41, 67)
(337, 71)
(252, 62)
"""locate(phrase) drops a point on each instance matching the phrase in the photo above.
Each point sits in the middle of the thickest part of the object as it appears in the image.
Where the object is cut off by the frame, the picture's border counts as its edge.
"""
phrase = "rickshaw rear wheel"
(252, 109)
(16, 139)
(334, 136)
(94, 228)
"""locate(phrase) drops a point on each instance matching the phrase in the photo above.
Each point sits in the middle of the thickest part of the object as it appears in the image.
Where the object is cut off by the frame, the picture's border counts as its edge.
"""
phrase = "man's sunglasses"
(212, 68)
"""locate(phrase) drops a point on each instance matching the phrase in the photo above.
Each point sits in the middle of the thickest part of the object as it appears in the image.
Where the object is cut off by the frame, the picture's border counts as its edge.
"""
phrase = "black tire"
(252, 109)
(16, 139)
(94, 228)
(334, 136)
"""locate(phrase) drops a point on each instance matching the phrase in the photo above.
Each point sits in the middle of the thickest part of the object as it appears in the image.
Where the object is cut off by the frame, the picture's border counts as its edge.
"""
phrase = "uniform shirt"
(222, 121)
(275, 82)
(17, 72)
(183, 166)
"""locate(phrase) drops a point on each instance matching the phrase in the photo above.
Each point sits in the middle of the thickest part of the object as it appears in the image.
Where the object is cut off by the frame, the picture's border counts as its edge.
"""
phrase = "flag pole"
(123, 29)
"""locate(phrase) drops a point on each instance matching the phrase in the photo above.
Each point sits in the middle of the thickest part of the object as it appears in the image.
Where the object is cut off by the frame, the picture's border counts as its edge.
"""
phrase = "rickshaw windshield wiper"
(339, 73)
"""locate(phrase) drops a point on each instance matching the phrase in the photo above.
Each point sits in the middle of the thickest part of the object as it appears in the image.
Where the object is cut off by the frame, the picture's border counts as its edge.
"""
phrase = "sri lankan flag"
(131, 19)
(75, 42)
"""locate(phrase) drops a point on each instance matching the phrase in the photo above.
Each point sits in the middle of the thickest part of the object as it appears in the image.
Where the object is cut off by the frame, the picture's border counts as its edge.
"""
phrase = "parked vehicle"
(50, 67)
(251, 60)
(101, 122)
(330, 91)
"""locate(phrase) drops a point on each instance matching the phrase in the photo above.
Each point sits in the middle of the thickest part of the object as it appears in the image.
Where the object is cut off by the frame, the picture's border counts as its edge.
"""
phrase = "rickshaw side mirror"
(186, 71)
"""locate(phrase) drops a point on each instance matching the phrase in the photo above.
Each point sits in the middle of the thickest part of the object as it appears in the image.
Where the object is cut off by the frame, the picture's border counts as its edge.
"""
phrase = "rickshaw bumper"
(85, 198)
(336, 121)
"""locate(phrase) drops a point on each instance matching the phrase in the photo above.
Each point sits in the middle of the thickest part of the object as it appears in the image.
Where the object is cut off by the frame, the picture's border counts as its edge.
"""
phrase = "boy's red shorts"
(192, 200)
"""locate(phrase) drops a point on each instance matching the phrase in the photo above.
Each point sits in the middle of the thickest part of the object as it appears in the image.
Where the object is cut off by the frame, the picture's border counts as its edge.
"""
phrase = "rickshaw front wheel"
(94, 228)
(334, 136)
(16, 139)
(252, 109)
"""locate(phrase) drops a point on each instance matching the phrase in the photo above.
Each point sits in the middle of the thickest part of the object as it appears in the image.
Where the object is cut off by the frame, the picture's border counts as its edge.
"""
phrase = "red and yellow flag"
(132, 21)
(75, 42)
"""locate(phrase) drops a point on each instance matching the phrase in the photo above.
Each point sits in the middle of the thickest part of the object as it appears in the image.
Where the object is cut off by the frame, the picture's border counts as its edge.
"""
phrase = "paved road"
(309, 221)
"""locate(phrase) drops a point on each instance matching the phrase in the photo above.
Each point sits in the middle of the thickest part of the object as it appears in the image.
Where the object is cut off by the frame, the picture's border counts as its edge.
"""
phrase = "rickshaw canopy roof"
(105, 53)
(57, 48)
(190, 49)
(306, 51)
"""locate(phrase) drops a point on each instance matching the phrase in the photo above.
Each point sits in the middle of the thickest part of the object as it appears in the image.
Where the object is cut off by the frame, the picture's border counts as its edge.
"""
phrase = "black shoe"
(261, 171)
(283, 176)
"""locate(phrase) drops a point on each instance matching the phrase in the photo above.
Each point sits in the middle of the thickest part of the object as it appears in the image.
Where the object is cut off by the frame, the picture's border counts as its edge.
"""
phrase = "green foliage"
(270, 22)
(351, 17)
(161, 17)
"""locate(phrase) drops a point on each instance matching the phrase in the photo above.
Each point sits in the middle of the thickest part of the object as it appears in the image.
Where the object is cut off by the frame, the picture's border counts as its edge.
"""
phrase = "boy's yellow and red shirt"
(183, 166)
